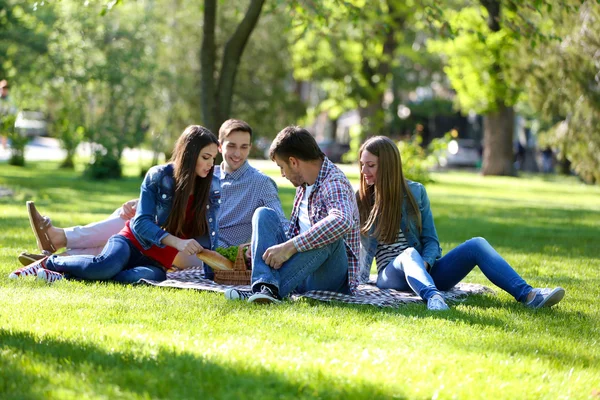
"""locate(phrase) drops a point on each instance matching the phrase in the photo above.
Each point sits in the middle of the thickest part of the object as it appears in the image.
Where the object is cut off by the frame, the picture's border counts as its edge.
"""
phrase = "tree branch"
(232, 56)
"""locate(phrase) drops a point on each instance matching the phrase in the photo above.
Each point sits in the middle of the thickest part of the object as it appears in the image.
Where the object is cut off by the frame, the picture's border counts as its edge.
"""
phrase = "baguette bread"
(215, 260)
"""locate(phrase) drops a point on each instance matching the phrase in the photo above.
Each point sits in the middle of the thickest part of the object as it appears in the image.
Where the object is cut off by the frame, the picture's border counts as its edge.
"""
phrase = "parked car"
(462, 153)
(31, 123)
(333, 150)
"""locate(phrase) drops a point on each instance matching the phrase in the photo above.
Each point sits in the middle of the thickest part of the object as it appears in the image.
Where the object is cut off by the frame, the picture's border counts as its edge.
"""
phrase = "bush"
(17, 141)
(103, 166)
(417, 161)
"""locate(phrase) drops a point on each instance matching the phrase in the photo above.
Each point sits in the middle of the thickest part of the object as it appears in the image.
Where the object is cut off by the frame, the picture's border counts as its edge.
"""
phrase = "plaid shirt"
(333, 215)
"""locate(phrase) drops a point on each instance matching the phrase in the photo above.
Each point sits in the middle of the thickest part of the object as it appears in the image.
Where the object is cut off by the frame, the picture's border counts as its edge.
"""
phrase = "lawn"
(76, 340)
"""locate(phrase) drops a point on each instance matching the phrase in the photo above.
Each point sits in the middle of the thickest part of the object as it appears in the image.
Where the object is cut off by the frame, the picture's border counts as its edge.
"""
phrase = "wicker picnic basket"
(240, 275)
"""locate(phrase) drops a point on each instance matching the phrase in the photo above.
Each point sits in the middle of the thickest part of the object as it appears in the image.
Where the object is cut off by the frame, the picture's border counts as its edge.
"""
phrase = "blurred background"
(499, 86)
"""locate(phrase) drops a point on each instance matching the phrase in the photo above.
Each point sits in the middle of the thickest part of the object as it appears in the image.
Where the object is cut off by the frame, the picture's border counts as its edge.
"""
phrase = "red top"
(163, 255)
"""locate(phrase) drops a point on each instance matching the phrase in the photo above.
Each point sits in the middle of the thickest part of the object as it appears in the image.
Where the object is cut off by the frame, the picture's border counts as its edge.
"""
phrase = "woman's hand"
(128, 209)
(188, 247)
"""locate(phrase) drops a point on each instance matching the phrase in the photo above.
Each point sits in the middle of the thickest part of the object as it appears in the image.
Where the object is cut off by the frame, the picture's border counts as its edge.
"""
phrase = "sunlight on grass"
(103, 340)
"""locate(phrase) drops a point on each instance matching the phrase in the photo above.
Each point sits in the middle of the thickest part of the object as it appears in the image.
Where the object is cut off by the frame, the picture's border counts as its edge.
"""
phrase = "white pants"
(90, 239)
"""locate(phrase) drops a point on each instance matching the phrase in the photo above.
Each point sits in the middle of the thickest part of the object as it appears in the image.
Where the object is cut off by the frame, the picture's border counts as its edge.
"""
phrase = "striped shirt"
(242, 192)
(333, 215)
(387, 252)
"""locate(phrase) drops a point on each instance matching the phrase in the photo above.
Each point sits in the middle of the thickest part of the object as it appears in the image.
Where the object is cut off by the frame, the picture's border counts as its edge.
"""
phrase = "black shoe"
(266, 295)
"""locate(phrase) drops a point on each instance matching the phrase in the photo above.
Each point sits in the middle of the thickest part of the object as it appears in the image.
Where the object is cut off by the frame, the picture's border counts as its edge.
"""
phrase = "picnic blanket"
(368, 293)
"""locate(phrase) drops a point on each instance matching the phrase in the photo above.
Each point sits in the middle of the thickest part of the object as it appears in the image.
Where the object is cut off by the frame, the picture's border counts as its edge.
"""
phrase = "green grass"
(76, 340)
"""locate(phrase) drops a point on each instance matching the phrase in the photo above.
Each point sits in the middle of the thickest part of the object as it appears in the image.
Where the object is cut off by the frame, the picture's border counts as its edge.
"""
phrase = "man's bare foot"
(57, 236)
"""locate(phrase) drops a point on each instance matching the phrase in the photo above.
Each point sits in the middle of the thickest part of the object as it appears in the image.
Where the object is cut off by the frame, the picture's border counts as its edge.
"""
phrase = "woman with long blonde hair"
(397, 229)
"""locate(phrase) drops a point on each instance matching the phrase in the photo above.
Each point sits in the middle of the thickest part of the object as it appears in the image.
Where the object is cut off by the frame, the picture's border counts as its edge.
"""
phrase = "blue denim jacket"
(156, 200)
(426, 243)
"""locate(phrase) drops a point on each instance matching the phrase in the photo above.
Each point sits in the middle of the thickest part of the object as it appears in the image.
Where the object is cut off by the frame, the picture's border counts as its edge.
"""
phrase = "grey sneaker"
(237, 294)
(265, 296)
(546, 297)
(437, 303)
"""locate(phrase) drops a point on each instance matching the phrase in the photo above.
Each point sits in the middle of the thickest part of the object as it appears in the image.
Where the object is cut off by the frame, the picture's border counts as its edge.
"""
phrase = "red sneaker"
(29, 270)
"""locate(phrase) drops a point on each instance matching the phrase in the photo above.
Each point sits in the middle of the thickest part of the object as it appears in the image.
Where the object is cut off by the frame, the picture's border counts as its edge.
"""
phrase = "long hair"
(380, 205)
(185, 155)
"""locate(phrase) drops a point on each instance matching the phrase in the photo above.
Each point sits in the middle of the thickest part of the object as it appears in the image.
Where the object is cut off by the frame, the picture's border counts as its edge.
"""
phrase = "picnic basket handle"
(240, 259)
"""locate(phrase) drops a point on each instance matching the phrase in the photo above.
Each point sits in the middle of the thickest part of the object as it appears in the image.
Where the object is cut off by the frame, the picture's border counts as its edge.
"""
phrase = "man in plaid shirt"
(320, 250)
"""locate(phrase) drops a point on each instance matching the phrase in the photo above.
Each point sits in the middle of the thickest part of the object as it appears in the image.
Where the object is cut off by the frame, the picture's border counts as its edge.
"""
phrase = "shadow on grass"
(165, 374)
(554, 322)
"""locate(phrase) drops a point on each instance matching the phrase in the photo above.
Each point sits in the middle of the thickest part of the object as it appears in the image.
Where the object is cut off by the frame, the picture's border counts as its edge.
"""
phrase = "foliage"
(23, 40)
(18, 140)
(366, 61)
(477, 59)
(563, 89)
(100, 340)
(417, 161)
(228, 252)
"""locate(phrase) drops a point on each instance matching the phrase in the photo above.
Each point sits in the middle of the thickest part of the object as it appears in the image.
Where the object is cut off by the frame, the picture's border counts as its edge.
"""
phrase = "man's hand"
(189, 247)
(276, 255)
(128, 209)
(248, 255)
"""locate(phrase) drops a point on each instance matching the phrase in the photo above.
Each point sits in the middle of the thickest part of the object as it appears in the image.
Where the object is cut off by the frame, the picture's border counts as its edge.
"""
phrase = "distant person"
(174, 214)
(397, 229)
(320, 250)
(547, 160)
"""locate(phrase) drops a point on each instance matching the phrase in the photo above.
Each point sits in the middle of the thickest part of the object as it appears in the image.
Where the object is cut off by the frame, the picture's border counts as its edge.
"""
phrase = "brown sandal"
(26, 258)
(40, 226)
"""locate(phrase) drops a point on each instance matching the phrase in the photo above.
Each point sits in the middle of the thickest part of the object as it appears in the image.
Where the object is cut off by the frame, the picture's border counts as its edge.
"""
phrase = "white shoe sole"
(553, 298)
(262, 299)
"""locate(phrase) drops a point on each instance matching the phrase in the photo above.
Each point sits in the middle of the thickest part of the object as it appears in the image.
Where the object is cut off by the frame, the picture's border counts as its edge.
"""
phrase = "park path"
(48, 149)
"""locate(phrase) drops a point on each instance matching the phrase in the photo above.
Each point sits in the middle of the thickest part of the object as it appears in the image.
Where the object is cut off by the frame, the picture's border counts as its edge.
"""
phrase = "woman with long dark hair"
(177, 212)
(397, 230)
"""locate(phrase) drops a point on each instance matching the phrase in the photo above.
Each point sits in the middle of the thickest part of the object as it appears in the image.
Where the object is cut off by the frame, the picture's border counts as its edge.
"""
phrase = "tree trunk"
(498, 125)
(216, 99)
(208, 100)
(231, 58)
(498, 129)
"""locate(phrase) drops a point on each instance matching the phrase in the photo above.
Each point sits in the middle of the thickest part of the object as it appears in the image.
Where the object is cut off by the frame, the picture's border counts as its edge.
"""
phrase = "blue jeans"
(325, 268)
(408, 271)
(119, 261)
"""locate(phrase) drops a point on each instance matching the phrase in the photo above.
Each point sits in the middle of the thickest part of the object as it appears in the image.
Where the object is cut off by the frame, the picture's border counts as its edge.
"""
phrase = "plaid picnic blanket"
(193, 278)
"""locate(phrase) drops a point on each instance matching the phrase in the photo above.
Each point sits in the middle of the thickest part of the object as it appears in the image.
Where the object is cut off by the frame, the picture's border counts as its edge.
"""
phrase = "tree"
(478, 56)
(217, 87)
(481, 47)
(365, 58)
(562, 81)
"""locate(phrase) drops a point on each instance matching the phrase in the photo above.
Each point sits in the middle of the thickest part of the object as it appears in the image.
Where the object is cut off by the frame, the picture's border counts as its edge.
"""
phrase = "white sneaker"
(437, 303)
(237, 294)
(546, 297)
(49, 276)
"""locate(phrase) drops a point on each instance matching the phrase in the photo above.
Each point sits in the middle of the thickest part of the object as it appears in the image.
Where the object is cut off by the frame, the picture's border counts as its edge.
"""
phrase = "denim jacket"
(426, 243)
(156, 200)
